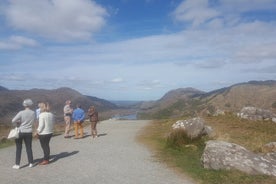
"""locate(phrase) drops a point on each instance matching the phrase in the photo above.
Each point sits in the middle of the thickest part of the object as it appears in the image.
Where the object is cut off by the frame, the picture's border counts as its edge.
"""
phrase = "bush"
(274, 105)
(178, 138)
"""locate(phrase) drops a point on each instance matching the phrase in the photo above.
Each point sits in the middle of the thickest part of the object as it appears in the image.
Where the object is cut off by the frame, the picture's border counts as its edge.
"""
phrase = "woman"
(24, 120)
(45, 131)
(93, 117)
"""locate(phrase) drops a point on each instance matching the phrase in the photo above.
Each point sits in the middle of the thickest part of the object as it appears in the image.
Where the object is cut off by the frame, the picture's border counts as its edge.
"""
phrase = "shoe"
(67, 136)
(16, 167)
(44, 162)
(31, 165)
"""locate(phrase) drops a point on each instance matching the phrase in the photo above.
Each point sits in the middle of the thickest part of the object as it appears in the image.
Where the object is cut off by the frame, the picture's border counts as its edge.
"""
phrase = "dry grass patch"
(186, 160)
(250, 134)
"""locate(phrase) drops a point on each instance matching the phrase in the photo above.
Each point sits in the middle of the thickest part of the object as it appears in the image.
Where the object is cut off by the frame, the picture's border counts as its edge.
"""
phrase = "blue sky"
(136, 49)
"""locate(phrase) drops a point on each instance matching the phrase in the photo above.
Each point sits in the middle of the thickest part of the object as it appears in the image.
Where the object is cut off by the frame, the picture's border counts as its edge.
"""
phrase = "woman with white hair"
(24, 120)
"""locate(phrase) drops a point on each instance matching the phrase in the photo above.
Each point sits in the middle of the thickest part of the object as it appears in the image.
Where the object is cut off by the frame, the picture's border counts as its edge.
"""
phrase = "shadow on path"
(103, 134)
(53, 158)
(56, 157)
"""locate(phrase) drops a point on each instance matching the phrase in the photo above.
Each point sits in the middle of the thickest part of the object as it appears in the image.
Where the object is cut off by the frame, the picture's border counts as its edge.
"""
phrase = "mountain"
(261, 94)
(191, 102)
(175, 103)
(11, 101)
(172, 104)
(3, 88)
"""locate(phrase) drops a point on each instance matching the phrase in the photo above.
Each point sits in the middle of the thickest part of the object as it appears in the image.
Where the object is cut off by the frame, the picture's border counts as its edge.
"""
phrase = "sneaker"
(31, 165)
(16, 167)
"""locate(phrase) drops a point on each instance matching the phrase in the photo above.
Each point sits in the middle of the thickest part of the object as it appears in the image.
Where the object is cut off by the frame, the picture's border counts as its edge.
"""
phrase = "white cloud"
(150, 84)
(117, 80)
(17, 42)
(224, 12)
(239, 6)
(196, 12)
(57, 19)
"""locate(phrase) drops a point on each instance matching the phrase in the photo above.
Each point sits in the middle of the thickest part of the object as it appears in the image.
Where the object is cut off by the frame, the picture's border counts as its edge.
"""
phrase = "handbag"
(14, 133)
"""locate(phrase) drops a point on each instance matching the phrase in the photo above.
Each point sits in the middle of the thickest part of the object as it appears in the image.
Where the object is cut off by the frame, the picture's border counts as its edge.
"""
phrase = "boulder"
(255, 114)
(223, 155)
(269, 147)
(219, 112)
(194, 128)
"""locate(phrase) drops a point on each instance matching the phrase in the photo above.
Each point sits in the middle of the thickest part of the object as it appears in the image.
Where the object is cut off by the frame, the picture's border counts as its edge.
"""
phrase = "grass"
(183, 155)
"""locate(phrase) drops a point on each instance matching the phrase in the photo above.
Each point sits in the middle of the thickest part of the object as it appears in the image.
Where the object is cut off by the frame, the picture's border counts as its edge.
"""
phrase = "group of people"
(78, 116)
(26, 119)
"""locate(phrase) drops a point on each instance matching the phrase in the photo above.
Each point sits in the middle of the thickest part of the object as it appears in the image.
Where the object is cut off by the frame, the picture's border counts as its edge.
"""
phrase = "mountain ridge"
(182, 102)
(175, 103)
(11, 101)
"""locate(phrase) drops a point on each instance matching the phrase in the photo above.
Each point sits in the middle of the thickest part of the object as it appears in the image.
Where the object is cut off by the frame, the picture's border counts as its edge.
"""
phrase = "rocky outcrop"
(219, 112)
(194, 128)
(255, 114)
(269, 147)
(223, 155)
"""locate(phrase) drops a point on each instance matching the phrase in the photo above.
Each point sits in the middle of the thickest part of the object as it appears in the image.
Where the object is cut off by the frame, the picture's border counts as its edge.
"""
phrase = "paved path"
(114, 157)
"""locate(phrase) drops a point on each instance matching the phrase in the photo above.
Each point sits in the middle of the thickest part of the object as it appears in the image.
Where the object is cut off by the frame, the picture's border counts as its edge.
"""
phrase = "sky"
(136, 49)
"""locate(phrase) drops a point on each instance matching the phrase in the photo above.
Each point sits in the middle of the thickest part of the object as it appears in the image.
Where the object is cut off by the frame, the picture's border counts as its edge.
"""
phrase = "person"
(78, 117)
(24, 120)
(68, 110)
(93, 117)
(37, 112)
(45, 131)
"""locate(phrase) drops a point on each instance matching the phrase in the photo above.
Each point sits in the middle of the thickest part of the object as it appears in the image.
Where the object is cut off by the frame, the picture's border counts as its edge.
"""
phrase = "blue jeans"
(27, 137)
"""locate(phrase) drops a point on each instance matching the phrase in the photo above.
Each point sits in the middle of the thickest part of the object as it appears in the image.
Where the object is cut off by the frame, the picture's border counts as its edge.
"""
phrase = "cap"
(27, 102)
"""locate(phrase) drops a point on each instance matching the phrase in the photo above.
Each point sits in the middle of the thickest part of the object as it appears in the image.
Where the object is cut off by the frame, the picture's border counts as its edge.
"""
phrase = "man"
(78, 117)
(68, 110)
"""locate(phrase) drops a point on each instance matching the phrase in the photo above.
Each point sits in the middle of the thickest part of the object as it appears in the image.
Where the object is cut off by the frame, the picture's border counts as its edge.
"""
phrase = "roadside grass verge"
(183, 155)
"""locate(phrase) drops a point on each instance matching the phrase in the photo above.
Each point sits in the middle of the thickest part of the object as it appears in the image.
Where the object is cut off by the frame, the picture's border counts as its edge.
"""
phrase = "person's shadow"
(103, 134)
(54, 158)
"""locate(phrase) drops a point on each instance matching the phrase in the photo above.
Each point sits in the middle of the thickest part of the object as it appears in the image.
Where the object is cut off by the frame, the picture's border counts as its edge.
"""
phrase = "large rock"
(223, 155)
(194, 128)
(269, 147)
(253, 113)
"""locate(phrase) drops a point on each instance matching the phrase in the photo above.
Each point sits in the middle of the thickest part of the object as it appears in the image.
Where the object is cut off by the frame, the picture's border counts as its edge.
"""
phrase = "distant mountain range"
(175, 103)
(192, 102)
(11, 101)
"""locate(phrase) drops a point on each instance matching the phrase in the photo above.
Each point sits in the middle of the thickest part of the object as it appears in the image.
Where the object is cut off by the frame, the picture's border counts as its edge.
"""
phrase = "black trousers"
(45, 145)
(27, 137)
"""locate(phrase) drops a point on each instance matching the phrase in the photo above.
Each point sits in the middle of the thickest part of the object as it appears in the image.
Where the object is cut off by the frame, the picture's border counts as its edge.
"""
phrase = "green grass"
(5, 143)
(183, 154)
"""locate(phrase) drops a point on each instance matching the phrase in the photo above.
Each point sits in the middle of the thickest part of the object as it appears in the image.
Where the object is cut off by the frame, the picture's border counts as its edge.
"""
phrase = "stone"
(255, 114)
(193, 128)
(223, 155)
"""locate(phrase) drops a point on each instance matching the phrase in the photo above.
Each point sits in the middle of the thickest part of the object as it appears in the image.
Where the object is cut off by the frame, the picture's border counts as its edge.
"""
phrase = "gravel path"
(114, 157)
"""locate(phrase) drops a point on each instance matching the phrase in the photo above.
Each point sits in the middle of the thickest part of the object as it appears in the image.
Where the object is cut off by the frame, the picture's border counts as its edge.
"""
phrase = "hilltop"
(191, 102)
(11, 101)
(175, 103)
